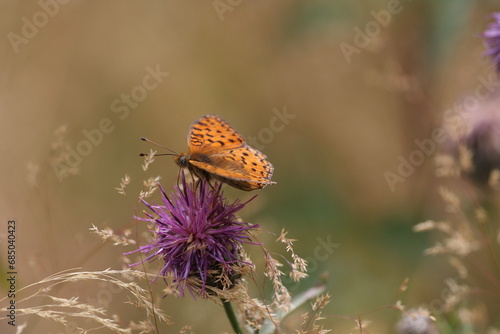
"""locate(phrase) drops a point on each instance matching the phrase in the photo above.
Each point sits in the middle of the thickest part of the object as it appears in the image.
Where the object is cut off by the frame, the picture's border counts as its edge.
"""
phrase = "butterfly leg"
(179, 176)
(216, 187)
(203, 176)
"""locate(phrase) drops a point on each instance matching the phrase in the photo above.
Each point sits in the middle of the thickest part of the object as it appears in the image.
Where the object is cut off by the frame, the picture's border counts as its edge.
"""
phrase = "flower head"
(492, 40)
(483, 141)
(475, 141)
(198, 236)
(416, 322)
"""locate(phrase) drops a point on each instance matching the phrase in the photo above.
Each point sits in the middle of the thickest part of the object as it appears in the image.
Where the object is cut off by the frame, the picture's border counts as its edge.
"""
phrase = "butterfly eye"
(182, 161)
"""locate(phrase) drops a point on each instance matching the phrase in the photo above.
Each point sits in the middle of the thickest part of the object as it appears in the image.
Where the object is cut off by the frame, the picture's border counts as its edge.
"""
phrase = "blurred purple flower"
(483, 141)
(475, 140)
(492, 40)
(198, 235)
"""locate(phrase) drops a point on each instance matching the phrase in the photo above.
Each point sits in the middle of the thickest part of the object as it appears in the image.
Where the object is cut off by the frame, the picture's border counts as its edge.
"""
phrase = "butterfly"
(216, 150)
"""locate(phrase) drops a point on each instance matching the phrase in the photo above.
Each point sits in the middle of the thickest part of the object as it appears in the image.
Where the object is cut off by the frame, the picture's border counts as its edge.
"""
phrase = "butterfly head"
(181, 160)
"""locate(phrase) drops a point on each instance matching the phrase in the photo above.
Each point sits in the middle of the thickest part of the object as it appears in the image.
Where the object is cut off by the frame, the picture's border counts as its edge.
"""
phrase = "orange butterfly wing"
(217, 149)
(211, 133)
(244, 168)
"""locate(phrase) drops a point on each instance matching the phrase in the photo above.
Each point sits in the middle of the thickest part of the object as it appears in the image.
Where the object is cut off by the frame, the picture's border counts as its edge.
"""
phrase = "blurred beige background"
(350, 119)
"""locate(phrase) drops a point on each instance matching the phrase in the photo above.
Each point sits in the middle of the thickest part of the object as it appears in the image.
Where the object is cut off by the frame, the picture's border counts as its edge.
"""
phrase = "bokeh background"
(352, 116)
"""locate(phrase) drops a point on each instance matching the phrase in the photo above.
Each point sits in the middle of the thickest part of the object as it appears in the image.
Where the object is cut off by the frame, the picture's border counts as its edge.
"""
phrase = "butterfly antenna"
(152, 142)
(156, 155)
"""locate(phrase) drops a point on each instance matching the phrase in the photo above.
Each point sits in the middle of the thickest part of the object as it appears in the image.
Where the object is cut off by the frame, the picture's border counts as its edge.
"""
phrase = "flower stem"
(232, 316)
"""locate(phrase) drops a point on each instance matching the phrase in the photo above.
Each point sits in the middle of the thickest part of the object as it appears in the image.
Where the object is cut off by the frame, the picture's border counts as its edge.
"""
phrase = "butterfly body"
(216, 150)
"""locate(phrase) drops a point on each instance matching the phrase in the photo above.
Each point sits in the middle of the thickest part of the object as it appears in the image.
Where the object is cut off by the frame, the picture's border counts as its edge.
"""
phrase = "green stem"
(232, 317)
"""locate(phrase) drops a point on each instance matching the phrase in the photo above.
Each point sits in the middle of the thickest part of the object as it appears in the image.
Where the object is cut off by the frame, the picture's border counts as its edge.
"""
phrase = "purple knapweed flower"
(198, 236)
(482, 139)
(492, 40)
